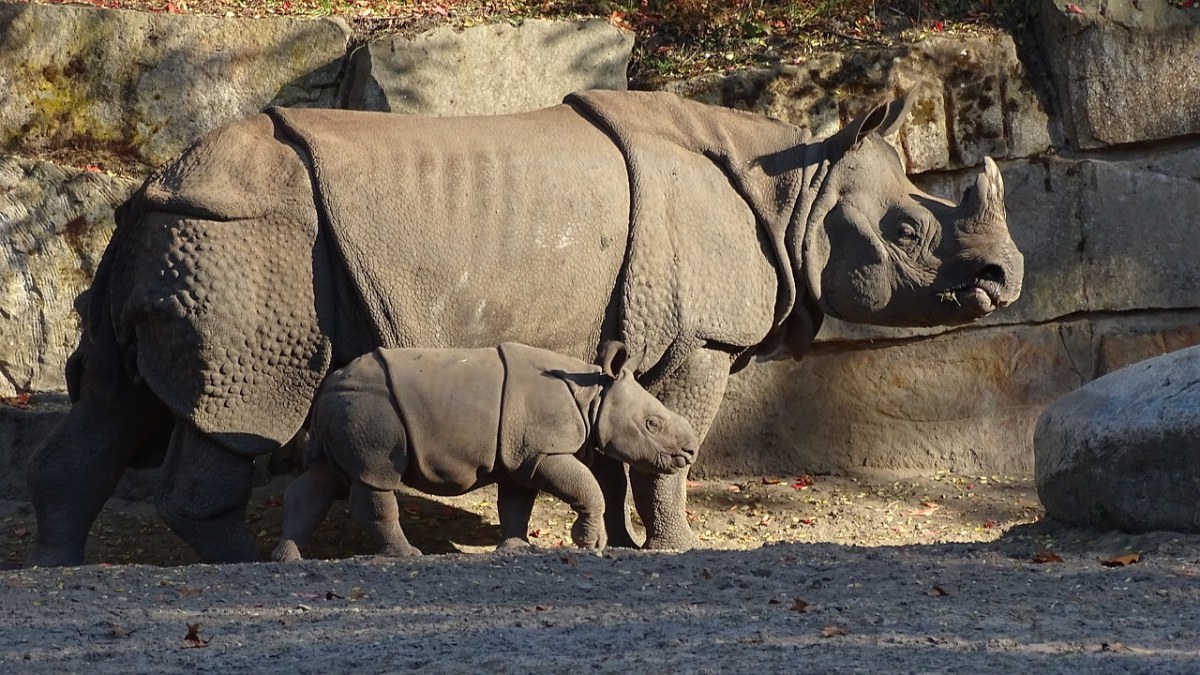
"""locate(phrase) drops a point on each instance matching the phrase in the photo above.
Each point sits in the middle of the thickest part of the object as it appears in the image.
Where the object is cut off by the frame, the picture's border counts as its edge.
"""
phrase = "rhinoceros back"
(449, 403)
(468, 232)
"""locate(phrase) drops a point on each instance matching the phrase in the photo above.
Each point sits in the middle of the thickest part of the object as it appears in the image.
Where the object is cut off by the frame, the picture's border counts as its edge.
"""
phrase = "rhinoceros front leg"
(202, 495)
(694, 391)
(571, 481)
(76, 469)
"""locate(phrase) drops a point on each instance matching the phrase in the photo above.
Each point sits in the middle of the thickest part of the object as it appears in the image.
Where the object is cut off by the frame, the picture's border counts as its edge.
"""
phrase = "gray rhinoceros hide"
(288, 244)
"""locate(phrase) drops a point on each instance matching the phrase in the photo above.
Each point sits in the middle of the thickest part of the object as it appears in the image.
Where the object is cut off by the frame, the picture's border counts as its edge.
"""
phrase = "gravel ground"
(843, 575)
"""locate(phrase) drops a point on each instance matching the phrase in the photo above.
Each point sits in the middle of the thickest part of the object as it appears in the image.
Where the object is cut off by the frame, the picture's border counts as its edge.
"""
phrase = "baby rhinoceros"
(448, 421)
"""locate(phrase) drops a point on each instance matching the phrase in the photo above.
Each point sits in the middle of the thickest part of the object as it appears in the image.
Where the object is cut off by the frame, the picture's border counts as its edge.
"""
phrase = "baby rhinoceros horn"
(634, 427)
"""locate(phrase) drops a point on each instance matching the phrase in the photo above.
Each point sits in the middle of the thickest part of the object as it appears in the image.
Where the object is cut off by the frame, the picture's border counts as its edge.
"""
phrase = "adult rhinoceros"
(283, 246)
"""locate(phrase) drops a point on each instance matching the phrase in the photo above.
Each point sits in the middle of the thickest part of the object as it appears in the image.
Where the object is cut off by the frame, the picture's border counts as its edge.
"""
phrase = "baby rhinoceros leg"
(305, 504)
(378, 512)
(571, 481)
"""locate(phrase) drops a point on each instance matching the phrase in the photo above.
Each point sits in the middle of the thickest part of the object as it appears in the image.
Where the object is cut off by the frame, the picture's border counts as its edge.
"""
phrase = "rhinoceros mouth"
(978, 296)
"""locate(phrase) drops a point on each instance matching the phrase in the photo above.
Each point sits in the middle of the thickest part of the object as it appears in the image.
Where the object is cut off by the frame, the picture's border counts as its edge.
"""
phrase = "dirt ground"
(797, 574)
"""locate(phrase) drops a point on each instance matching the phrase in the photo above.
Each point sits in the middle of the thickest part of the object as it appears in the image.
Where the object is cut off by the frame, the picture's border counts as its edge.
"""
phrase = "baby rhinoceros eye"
(653, 424)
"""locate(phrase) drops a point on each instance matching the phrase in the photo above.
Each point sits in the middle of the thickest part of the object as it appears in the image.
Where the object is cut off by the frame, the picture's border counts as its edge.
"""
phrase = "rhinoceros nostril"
(993, 273)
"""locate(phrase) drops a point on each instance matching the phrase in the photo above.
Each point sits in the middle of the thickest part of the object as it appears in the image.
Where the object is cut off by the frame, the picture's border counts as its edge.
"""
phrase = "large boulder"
(1123, 451)
(487, 70)
(975, 100)
(143, 86)
(54, 225)
(1125, 70)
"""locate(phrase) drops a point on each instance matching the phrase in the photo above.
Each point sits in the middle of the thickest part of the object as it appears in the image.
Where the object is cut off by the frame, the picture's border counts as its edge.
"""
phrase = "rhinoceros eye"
(908, 234)
(653, 424)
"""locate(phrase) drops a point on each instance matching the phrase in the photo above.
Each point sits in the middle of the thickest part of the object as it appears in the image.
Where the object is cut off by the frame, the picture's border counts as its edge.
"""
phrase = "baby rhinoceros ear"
(612, 357)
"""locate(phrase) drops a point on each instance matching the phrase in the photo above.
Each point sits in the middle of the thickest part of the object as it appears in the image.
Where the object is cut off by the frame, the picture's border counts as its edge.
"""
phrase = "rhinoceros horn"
(983, 203)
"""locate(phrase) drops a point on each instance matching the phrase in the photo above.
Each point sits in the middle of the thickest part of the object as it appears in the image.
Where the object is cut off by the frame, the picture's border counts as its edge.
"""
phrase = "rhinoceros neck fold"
(707, 184)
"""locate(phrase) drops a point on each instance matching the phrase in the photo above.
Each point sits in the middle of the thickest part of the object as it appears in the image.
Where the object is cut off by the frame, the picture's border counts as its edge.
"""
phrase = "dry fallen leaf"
(771, 481)
(193, 640)
(1113, 647)
(706, 573)
(1046, 557)
(1122, 560)
(930, 509)
(799, 605)
(938, 591)
(832, 631)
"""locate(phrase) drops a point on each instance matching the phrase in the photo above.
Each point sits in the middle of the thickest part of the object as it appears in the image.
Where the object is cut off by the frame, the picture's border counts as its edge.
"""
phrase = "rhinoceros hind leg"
(78, 466)
(694, 391)
(378, 512)
(515, 505)
(305, 504)
(202, 496)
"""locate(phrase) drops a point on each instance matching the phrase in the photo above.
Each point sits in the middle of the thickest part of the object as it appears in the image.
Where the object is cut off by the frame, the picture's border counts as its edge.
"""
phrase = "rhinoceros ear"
(613, 357)
(883, 120)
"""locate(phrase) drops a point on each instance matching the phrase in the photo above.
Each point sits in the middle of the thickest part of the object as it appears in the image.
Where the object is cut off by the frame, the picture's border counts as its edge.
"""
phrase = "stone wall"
(1097, 146)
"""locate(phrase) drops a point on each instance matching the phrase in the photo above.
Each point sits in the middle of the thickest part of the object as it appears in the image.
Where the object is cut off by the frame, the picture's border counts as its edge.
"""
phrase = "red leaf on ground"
(535, 533)
(938, 26)
(989, 525)
(19, 401)
(1046, 557)
(92, 168)
(802, 482)
(193, 640)
(617, 18)
(807, 521)
(1073, 8)
(1122, 560)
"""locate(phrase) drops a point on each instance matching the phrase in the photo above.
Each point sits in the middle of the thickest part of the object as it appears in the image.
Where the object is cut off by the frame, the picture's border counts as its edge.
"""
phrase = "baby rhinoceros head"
(634, 427)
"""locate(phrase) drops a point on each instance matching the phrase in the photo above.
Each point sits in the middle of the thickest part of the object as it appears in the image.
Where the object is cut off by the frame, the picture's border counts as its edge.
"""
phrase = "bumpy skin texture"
(448, 421)
(288, 244)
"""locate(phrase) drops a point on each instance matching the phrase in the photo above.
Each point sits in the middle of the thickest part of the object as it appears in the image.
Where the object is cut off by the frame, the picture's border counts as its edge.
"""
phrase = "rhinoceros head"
(633, 426)
(878, 250)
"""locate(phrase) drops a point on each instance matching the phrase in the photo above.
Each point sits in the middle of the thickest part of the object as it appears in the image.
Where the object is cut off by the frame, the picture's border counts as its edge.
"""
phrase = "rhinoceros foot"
(400, 551)
(286, 551)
